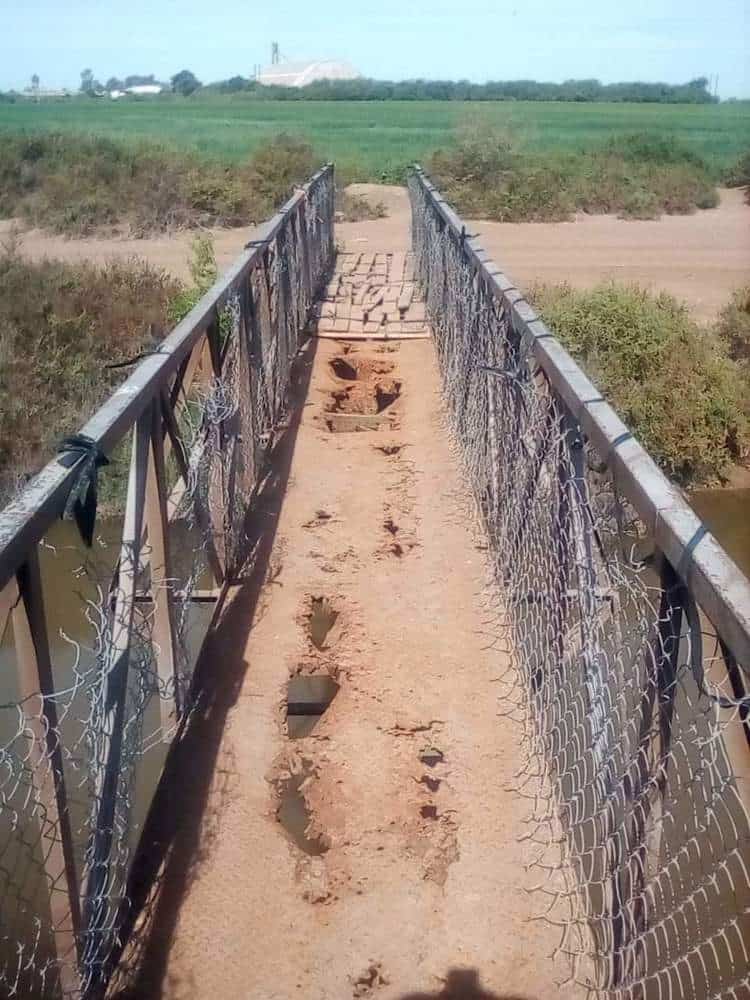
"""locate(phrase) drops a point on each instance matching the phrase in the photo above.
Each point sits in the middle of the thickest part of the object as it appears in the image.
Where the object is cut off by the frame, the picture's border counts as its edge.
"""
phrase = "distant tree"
(114, 84)
(235, 84)
(694, 92)
(87, 81)
(138, 80)
(35, 82)
(185, 83)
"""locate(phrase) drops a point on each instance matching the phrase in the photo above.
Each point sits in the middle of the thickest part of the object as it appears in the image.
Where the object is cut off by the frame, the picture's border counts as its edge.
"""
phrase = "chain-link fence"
(99, 642)
(627, 629)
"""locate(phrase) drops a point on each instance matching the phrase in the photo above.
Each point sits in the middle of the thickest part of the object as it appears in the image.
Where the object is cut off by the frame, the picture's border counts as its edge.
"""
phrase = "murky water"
(727, 515)
(308, 697)
(322, 619)
(294, 816)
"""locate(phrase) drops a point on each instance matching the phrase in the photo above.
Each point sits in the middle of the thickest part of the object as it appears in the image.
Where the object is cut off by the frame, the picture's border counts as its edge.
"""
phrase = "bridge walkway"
(410, 875)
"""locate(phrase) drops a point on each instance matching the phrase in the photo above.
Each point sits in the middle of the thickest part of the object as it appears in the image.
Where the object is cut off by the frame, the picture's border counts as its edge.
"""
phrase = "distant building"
(40, 93)
(139, 90)
(300, 74)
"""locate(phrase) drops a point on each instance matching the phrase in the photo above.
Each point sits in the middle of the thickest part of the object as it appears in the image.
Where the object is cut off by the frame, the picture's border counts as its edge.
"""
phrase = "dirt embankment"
(698, 258)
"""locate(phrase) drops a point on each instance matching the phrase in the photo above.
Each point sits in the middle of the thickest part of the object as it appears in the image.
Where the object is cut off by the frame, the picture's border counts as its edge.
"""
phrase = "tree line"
(363, 89)
(185, 83)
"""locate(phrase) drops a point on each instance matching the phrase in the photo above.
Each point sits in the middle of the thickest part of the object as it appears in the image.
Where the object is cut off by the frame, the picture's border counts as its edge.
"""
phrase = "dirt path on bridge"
(700, 258)
(379, 855)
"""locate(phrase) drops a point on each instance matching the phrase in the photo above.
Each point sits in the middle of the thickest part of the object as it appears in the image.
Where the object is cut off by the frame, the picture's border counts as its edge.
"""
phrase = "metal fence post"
(158, 557)
(97, 932)
(36, 680)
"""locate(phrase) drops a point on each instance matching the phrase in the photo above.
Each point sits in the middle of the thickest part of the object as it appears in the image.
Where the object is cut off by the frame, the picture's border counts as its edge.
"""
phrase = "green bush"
(672, 381)
(739, 174)
(203, 272)
(733, 326)
(276, 168)
(637, 176)
(644, 147)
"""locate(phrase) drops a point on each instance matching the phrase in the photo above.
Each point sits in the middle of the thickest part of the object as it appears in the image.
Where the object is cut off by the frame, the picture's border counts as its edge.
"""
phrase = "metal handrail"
(27, 518)
(718, 585)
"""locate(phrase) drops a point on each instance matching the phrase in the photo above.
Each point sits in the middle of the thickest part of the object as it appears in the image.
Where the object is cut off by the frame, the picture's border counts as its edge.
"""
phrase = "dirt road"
(699, 258)
(379, 855)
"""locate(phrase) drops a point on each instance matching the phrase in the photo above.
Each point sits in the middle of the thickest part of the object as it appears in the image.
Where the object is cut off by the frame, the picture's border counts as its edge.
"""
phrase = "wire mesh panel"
(101, 624)
(627, 698)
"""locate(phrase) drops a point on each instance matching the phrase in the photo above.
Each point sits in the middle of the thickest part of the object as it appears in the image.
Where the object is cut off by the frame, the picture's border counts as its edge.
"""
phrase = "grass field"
(376, 141)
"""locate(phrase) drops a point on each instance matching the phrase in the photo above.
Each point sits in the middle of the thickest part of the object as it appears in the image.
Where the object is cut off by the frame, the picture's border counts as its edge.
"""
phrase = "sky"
(612, 40)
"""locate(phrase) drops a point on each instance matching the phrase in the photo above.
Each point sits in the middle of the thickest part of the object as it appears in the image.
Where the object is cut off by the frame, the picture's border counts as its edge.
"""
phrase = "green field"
(376, 140)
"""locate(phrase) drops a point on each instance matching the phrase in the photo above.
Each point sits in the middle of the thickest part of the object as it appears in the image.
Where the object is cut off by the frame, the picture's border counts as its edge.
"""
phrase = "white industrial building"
(299, 74)
(139, 90)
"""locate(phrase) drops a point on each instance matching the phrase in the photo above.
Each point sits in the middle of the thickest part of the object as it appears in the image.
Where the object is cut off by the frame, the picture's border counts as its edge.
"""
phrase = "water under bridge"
(391, 666)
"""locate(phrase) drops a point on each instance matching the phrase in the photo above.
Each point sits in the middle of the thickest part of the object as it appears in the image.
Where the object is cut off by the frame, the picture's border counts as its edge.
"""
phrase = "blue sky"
(670, 40)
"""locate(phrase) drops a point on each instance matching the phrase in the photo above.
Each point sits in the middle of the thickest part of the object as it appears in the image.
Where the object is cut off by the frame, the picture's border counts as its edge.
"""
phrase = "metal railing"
(627, 627)
(198, 419)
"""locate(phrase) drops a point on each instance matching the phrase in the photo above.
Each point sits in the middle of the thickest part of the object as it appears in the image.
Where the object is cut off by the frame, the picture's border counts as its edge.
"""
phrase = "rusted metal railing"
(200, 415)
(628, 627)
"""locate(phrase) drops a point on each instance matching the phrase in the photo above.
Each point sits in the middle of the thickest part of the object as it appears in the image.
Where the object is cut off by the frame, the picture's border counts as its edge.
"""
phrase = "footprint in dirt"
(369, 980)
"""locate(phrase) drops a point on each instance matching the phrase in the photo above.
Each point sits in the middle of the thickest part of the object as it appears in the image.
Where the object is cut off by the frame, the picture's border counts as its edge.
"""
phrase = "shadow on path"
(179, 829)
(463, 984)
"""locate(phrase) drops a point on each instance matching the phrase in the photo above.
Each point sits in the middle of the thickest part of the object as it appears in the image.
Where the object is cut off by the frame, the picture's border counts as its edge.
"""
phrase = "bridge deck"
(409, 767)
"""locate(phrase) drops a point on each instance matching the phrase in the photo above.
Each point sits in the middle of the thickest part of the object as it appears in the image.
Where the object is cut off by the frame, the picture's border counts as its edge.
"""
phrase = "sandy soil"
(422, 891)
(699, 258)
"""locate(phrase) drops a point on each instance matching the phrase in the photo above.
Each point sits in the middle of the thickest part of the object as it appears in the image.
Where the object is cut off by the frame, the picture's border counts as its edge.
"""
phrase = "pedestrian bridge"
(355, 647)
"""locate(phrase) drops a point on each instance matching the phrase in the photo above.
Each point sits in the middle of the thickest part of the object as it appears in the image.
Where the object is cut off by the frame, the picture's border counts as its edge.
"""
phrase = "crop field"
(377, 140)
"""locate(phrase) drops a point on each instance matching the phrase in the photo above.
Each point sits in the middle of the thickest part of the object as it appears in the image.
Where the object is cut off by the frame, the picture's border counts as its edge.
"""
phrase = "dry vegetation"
(739, 175)
(636, 176)
(356, 208)
(682, 388)
(61, 325)
(734, 326)
(80, 184)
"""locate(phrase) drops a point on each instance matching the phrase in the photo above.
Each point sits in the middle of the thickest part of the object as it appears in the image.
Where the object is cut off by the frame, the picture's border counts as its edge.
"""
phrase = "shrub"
(203, 272)
(61, 325)
(77, 185)
(671, 381)
(644, 147)
(636, 176)
(733, 325)
(356, 208)
(739, 174)
(274, 169)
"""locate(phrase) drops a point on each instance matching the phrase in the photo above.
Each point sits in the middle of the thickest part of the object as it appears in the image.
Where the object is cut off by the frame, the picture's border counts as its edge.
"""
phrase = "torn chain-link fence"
(631, 706)
(99, 645)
